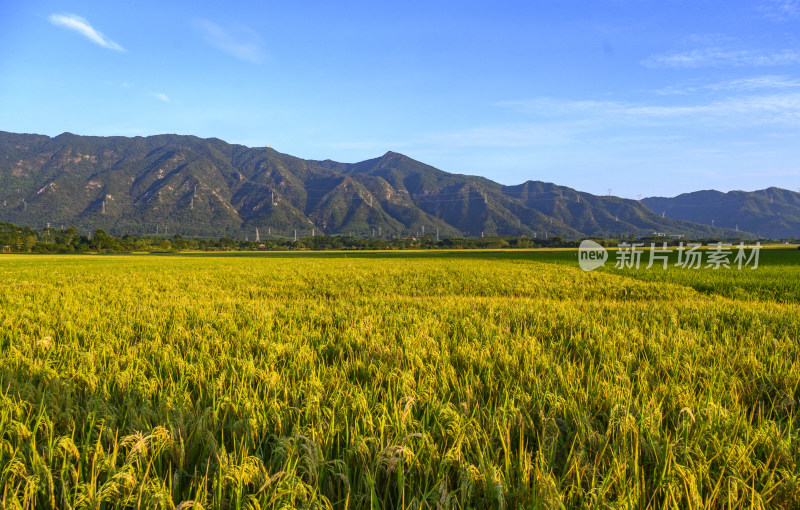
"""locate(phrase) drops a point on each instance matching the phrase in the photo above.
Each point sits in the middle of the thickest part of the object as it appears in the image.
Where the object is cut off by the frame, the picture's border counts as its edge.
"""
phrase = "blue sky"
(644, 97)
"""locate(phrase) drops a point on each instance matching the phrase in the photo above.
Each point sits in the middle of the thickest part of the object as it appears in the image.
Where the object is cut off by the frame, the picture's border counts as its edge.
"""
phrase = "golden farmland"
(411, 380)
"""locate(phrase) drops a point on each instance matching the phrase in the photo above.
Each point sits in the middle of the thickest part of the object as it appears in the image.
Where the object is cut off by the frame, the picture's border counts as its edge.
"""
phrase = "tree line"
(24, 239)
(16, 239)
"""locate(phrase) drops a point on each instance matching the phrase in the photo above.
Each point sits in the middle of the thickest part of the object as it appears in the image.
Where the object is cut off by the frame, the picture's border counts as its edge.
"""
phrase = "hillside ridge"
(172, 183)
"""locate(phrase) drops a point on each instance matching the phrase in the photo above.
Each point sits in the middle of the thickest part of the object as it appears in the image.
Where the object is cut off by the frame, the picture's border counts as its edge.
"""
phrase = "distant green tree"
(226, 243)
(178, 242)
(103, 241)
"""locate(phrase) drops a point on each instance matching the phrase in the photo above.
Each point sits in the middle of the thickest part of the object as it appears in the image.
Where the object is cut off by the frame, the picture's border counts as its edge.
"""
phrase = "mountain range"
(207, 187)
(772, 212)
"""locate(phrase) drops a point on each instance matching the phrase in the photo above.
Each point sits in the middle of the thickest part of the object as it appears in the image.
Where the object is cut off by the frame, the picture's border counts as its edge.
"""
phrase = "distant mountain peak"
(393, 156)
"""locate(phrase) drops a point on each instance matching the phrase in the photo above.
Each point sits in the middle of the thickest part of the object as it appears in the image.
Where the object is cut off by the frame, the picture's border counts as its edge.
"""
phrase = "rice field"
(396, 380)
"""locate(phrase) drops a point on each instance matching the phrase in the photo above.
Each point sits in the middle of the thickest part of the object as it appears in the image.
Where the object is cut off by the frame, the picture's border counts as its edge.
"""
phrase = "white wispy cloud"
(718, 57)
(80, 25)
(739, 111)
(241, 42)
(564, 123)
(161, 97)
(780, 9)
(756, 83)
(751, 84)
(552, 123)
